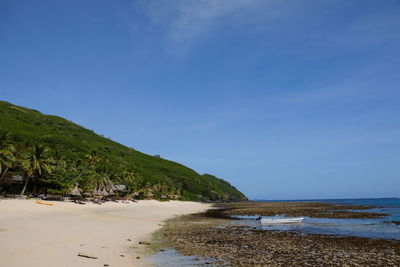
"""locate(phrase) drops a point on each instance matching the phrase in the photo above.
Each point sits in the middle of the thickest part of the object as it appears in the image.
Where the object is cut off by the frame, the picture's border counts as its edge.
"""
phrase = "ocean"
(372, 228)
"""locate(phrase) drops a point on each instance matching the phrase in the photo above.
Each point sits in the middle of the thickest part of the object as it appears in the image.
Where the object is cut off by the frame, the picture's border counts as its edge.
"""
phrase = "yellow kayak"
(43, 203)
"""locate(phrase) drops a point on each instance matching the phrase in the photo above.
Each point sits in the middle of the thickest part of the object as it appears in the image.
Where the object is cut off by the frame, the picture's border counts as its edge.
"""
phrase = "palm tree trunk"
(34, 188)
(2, 178)
(25, 185)
(4, 175)
(35, 179)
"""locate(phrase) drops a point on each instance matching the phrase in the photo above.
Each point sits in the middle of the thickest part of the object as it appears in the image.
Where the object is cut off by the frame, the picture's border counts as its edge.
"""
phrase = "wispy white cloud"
(183, 23)
(186, 21)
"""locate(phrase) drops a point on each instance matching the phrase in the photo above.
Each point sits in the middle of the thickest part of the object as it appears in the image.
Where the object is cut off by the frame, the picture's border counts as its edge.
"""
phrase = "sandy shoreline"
(37, 235)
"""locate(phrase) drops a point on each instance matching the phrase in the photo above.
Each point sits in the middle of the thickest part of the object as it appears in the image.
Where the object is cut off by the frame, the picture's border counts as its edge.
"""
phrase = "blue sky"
(284, 99)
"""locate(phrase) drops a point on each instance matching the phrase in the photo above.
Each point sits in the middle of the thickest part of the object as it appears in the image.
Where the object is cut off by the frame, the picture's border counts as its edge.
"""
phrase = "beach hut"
(110, 186)
(97, 196)
(96, 192)
(75, 192)
(120, 188)
(103, 192)
(14, 179)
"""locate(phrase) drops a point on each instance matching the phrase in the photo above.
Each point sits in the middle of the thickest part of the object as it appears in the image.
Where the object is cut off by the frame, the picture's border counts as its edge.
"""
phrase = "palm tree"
(36, 164)
(104, 181)
(61, 163)
(93, 157)
(128, 177)
(85, 179)
(7, 158)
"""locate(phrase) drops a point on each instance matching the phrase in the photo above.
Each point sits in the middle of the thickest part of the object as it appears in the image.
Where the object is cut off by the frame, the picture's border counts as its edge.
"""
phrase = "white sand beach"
(38, 235)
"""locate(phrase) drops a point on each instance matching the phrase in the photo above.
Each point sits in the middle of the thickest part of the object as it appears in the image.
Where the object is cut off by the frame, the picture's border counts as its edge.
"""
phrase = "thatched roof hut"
(97, 192)
(111, 192)
(120, 188)
(110, 186)
(75, 191)
(103, 192)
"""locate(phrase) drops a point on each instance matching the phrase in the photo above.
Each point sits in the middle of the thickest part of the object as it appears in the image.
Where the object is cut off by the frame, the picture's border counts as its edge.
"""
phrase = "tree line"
(46, 171)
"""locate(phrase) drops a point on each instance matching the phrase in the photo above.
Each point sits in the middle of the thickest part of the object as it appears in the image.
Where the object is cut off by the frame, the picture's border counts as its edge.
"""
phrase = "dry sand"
(37, 235)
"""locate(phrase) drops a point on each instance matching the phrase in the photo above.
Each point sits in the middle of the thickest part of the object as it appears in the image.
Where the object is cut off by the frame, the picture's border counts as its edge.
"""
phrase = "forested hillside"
(67, 155)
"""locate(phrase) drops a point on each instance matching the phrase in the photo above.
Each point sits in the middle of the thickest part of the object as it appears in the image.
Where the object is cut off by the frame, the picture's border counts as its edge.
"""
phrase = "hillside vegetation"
(78, 156)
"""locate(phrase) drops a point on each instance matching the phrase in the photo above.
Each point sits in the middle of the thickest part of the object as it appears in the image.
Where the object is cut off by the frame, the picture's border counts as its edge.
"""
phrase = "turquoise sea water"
(371, 228)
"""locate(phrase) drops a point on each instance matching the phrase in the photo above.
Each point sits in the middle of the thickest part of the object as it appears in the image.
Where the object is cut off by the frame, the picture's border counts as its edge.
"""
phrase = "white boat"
(281, 220)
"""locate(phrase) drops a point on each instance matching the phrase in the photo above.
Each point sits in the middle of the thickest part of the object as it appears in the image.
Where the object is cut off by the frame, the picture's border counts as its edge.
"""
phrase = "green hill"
(71, 143)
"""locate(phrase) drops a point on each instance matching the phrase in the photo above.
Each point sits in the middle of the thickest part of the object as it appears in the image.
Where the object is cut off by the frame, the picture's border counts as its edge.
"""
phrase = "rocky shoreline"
(309, 209)
(210, 235)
